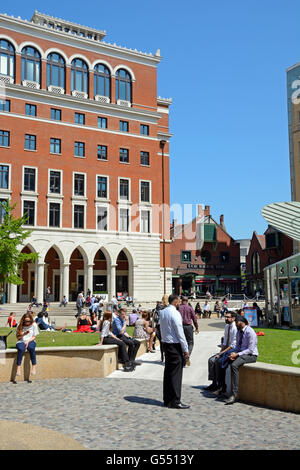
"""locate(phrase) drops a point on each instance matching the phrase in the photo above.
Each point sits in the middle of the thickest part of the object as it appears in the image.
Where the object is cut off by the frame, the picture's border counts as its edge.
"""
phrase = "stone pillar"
(90, 272)
(39, 277)
(65, 280)
(112, 290)
(12, 294)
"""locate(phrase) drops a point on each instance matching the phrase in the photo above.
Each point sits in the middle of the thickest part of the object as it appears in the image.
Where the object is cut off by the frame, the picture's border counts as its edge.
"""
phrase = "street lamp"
(162, 144)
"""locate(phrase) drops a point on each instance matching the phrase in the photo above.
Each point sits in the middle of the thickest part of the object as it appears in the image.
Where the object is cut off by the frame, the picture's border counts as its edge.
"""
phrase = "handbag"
(3, 341)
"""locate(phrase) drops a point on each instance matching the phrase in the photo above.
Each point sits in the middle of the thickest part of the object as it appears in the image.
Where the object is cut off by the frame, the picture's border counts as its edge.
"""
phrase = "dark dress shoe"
(178, 406)
(230, 400)
(136, 363)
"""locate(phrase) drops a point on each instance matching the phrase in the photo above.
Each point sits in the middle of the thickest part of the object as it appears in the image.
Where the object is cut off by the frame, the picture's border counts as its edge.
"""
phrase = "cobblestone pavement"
(122, 413)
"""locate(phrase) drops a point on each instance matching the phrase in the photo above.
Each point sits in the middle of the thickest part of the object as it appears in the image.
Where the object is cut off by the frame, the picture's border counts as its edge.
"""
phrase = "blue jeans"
(21, 350)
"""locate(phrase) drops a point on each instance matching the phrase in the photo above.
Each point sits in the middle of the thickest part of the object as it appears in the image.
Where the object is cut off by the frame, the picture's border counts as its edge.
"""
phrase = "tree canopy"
(12, 237)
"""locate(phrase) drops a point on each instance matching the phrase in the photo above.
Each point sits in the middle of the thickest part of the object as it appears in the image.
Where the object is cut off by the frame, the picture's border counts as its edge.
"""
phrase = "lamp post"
(162, 146)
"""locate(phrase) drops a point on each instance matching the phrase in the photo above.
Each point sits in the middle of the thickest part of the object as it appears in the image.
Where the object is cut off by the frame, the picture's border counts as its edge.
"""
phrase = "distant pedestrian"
(188, 319)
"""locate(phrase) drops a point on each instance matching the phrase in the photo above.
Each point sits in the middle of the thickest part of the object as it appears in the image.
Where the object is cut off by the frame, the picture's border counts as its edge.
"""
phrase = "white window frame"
(54, 201)
(106, 206)
(79, 198)
(145, 203)
(124, 201)
(100, 199)
(55, 195)
(33, 199)
(146, 209)
(5, 193)
(26, 192)
(79, 203)
(127, 207)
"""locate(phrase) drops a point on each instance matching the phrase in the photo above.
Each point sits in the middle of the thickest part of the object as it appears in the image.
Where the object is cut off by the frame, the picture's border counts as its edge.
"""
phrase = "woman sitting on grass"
(26, 333)
(11, 322)
(83, 323)
(142, 330)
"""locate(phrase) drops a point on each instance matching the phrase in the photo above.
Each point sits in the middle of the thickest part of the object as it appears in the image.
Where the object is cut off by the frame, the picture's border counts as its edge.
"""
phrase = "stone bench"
(270, 385)
(64, 362)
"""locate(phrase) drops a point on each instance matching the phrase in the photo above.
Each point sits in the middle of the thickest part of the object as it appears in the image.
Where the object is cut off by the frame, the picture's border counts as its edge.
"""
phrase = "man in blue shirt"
(176, 353)
(245, 352)
(119, 330)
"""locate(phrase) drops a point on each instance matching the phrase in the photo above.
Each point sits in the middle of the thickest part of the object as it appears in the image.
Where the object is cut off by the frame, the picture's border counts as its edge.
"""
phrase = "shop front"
(282, 287)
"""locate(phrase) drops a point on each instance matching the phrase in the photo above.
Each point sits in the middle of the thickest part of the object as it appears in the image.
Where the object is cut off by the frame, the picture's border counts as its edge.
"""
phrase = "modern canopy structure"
(284, 216)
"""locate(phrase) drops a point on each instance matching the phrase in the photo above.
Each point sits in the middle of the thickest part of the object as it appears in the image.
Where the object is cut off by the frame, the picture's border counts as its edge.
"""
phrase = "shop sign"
(205, 266)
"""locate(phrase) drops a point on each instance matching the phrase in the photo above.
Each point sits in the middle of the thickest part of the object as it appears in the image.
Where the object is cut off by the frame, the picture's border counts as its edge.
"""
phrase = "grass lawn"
(274, 348)
(56, 339)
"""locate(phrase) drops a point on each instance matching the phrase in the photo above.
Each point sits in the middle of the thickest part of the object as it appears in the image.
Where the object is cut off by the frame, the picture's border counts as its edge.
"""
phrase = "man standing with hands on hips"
(176, 353)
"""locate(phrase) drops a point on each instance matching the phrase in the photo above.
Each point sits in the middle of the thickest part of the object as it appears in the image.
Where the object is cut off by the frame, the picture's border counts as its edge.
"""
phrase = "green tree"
(12, 237)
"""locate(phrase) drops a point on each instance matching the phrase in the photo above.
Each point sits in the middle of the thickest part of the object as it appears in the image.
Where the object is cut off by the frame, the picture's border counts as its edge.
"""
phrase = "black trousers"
(161, 344)
(122, 350)
(133, 346)
(174, 363)
(189, 336)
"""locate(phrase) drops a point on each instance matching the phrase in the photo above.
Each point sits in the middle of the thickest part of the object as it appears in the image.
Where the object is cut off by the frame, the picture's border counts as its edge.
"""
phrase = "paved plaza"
(124, 411)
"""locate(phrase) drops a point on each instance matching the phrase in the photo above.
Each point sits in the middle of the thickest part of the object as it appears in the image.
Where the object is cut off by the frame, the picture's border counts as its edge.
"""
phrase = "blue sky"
(224, 64)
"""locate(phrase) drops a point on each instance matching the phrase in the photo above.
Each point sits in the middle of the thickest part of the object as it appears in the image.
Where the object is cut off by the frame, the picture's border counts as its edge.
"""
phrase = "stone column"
(90, 272)
(112, 290)
(12, 294)
(39, 277)
(65, 280)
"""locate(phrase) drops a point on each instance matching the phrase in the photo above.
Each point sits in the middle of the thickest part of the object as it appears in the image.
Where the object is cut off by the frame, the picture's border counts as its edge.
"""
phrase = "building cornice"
(59, 37)
(89, 105)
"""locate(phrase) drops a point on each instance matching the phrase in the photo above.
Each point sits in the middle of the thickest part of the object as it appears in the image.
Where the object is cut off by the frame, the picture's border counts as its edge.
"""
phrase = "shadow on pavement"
(143, 401)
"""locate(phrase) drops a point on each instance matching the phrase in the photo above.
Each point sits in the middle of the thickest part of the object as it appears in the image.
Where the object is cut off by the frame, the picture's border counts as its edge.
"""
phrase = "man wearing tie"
(245, 352)
(176, 353)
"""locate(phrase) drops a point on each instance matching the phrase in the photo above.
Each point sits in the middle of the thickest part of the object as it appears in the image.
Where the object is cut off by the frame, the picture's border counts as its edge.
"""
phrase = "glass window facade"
(102, 152)
(124, 126)
(124, 155)
(144, 129)
(29, 179)
(124, 189)
(55, 182)
(5, 105)
(30, 109)
(7, 58)
(30, 142)
(30, 64)
(4, 138)
(102, 123)
(102, 218)
(123, 85)
(79, 76)
(79, 149)
(54, 215)
(79, 118)
(4, 176)
(29, 212)
(55, 70)
(55, 145)
(79, 184)
(78, 216)
(102, 186)
(101, 80)
(124, 220)
(145, 159)
(145, 191)
(56, 114)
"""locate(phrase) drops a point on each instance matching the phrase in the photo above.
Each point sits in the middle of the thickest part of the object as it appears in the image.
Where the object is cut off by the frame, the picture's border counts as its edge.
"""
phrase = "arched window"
(55, 70)
(7, 58)
(31, 64)
(255, 263)
(123, 85)
(79, 75)
(101, 80)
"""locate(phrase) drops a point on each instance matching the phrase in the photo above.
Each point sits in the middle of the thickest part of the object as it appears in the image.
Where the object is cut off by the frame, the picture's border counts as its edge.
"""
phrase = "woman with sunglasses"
(26, 333)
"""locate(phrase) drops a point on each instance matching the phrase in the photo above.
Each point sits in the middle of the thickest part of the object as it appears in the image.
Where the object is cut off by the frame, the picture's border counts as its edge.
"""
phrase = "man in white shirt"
(215, 372)
(176, 352)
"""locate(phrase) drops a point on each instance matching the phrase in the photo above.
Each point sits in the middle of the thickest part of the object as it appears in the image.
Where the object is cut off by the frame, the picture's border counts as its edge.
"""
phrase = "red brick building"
(264, 250)
(204, 256)
(84, 151)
